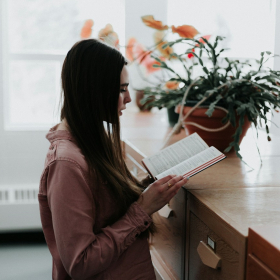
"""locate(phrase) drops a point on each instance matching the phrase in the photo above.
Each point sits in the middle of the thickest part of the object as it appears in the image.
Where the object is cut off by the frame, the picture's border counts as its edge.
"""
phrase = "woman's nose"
(128, 98)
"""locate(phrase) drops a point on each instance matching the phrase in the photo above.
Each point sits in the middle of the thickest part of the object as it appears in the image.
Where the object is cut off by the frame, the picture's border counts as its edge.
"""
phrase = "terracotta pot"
(139, 96)
(219, 139)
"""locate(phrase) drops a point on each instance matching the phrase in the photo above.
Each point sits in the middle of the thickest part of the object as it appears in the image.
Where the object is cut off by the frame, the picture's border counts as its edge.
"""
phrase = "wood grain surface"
(264, 250)
(256, 270)
(229, 258)
(204, 221)
(242, 208)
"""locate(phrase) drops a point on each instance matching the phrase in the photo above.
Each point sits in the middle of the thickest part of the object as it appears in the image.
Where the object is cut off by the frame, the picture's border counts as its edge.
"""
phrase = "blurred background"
(35, 37)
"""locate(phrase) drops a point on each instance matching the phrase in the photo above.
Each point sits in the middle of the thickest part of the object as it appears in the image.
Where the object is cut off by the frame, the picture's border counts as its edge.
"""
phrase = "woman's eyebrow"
(124, 85)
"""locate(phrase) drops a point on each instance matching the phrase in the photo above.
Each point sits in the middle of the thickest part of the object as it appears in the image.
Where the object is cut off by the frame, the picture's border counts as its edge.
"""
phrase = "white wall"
(276, 117)
(134, 27)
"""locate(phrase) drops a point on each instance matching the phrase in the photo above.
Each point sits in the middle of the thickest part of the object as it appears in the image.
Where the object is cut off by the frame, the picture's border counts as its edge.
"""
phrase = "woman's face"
(124, 96)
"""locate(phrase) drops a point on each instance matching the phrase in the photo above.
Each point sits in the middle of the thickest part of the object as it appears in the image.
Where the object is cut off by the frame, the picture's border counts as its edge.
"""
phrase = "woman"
(94, 212)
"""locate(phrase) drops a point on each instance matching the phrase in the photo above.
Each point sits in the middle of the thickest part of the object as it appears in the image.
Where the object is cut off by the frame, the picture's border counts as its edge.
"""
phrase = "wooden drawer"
(263, 253)
(168, 244)
(256, 270)
(229, 257)
(230, 246)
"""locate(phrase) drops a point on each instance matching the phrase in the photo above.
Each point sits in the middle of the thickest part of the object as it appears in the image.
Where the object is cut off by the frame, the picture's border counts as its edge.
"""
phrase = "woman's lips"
(120, 112)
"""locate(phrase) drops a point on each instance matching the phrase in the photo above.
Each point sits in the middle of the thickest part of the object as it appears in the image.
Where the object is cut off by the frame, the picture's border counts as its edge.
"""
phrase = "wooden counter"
(146, 131)
(223, 201)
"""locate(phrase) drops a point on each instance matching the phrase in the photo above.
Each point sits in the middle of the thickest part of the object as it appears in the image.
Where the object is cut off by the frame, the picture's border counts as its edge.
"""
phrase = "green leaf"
(205, 70)
(165, 46)
(227, 149)
(159, 60)
(211, 109)
(216, 44)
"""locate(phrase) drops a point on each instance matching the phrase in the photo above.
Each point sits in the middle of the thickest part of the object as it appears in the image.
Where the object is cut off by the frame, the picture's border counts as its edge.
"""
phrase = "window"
(248, 25)
(37, 35)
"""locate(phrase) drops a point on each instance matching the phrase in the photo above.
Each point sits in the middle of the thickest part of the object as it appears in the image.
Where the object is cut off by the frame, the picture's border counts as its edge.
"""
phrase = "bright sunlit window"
(248, 25)
(37, 36)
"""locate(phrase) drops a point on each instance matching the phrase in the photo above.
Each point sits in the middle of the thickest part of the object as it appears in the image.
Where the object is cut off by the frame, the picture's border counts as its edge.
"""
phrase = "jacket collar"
(55, 134)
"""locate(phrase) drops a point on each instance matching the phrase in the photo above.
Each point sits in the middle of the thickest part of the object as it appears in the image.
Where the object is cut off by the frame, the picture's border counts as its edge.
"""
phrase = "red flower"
(151, 22)
(190, 55)
(207, 37)
(171, 84)
(86, 29)
(129, 48)
(158, 38)
(136, 51)
(108, 35)
(185, 31)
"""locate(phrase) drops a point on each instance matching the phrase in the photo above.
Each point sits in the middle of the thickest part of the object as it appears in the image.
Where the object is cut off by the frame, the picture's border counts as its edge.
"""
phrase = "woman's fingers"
(172, 191)
(177, 183)
(173, 181)
(160, 192)
(182, 181)
(165, 179)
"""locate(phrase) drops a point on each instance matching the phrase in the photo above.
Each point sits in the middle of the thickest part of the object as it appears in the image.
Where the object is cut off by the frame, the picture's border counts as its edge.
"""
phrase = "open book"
(186, 157)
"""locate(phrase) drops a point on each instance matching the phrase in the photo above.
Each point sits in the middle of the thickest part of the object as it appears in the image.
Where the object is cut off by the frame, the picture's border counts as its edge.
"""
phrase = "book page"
(174, 154)
(195, 164)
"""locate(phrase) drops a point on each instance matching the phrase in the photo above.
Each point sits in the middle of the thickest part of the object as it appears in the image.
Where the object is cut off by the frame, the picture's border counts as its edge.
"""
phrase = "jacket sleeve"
(83, 253)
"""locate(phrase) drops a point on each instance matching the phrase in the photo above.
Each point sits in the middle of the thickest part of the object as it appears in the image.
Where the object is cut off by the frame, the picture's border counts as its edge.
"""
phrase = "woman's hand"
(160, 193)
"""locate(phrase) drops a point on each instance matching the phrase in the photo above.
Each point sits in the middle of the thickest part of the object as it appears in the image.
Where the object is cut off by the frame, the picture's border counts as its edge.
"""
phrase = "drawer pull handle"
(165, 211)
(208, 256)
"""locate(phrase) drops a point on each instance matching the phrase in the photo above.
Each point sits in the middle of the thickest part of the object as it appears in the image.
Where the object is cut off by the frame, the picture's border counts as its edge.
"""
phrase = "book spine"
(148, 170)
(204, 166)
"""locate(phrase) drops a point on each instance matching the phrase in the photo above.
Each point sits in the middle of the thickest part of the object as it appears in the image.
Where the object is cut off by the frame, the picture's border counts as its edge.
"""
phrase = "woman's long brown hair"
(91, 87)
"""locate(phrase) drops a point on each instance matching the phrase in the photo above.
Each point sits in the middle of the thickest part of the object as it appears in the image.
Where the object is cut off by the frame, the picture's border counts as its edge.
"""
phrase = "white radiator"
(19, 208)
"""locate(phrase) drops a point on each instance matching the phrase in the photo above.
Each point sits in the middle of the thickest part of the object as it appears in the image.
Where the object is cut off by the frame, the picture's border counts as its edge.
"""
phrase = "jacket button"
(137, 234)
(146, 223)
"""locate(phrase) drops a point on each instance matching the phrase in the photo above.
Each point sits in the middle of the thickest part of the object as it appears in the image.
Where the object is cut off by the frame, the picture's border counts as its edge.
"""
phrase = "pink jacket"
(82, 245)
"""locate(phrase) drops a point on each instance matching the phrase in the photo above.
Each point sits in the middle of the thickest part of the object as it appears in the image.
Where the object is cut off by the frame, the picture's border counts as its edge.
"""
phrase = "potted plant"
(144, 58)
(246, 93)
